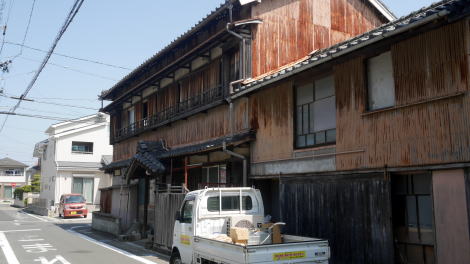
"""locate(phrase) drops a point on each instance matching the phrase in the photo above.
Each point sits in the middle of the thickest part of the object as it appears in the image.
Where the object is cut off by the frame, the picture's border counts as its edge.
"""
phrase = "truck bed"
(295, 249)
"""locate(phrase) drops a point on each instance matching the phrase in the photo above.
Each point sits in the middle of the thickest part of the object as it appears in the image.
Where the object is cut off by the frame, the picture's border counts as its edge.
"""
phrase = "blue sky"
(118, 32)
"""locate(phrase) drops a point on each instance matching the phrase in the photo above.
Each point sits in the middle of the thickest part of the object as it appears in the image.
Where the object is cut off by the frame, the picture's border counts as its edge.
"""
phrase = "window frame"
(296, 85)
(82, 152)
(367, 85)
(82, 179)
(410, 191)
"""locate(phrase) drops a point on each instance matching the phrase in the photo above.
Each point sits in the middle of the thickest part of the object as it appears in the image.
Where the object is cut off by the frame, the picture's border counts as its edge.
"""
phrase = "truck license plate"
(73, 212)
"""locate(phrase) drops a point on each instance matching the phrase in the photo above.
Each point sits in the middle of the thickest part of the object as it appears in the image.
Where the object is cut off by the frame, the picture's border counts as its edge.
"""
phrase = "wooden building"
(355, 128)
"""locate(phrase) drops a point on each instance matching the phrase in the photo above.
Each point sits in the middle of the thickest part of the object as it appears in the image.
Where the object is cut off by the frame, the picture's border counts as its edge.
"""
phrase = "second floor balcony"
(180, 110)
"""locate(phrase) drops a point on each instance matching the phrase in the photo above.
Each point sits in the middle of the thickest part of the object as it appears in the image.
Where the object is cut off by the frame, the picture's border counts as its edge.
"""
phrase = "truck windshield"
(229, 203)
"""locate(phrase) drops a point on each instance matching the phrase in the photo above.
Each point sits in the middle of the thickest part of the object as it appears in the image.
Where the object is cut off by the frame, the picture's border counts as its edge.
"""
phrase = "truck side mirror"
(178, 216)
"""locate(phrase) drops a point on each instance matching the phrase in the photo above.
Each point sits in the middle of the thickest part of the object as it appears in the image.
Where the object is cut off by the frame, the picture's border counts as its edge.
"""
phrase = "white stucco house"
(12, 175)
(71, 159)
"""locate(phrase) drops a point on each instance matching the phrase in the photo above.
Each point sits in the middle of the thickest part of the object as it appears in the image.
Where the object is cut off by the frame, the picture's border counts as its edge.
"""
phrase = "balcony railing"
(11, 175)
(171, 113)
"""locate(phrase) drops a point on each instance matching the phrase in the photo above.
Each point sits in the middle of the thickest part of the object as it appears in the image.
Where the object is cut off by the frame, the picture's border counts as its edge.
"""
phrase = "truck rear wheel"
(175, 258)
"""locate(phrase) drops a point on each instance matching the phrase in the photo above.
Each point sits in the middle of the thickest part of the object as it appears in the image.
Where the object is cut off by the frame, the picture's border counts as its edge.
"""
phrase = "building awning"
(116, 165)
(210, 145)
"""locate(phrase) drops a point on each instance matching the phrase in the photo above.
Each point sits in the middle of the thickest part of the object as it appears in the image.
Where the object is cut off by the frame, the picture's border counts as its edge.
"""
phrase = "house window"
(412, 212)
(214, 176)
(315, 113)
(82, 147)
(13, 172)
(84, 186)
(380, 84)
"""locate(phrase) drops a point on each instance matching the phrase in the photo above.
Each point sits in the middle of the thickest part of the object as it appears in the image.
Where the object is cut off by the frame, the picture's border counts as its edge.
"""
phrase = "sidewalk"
(135, 248)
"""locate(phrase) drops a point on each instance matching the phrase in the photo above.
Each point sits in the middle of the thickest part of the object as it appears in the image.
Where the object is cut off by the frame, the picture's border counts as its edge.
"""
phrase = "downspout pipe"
(243, 158)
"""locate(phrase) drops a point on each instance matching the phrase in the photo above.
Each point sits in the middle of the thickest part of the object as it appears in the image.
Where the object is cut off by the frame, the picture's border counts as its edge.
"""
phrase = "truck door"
(186, 235)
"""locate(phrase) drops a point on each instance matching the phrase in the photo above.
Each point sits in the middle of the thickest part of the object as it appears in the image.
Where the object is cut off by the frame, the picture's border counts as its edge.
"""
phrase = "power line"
(72, 69)
(60, 98)
(68, 56)
(75, 8)
(6, 26)
(50, 103)
(27, 28)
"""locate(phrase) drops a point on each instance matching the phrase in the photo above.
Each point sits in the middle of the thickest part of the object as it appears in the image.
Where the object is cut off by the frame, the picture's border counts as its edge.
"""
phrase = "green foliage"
(18, 193)
(36, 183)
(27, 188)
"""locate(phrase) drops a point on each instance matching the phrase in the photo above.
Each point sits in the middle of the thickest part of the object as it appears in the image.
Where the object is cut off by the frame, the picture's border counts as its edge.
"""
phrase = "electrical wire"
(73, 12)
(56, 118)
(70, 57)
(50, 103)
(72, 69)
(6, 26)
(27, 29)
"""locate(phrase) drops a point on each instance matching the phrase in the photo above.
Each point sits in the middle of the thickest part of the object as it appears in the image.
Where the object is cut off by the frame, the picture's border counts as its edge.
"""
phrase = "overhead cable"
(6, 26)
(50, 103)
(73, 69)
(75, 8)
(68, 56)
(27, 29)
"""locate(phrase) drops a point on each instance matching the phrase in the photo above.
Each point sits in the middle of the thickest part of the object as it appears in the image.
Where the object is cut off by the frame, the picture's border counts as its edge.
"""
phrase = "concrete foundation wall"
(106, 223)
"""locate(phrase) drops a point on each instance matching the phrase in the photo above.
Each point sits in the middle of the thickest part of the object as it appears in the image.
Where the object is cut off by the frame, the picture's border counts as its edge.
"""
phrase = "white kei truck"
(206, 215)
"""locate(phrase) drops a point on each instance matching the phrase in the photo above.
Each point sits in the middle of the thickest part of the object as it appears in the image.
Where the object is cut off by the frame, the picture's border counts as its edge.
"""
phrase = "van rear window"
(229, 203)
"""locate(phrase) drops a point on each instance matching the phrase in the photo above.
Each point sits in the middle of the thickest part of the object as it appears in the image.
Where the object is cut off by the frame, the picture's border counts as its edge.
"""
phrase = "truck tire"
(175, 258)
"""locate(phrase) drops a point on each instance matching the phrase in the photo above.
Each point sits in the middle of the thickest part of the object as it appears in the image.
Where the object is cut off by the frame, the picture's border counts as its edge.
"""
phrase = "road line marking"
(7, 250)
(118, 250)
(23, 230)
(44, 220)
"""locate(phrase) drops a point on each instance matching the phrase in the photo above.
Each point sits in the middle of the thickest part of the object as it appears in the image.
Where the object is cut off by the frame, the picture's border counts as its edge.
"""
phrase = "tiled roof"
(116, 165)
(7, 162)
(142, 67)
(148, 153)
(378, 4)
(455, 8)
(207, 145)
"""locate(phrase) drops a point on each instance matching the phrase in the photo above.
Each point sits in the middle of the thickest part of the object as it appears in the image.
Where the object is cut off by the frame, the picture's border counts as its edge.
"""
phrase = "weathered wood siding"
(195, 129)
(271, 114)
(451, 222)
(426, 67)
(167, 204)
(292, 29)
(352, 212)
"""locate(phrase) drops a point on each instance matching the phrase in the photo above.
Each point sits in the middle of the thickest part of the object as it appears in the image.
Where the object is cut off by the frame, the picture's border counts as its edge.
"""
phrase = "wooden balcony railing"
(174, 112)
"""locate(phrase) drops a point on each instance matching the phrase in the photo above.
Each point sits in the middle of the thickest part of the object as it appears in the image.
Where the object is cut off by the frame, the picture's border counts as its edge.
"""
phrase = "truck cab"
(206, 215)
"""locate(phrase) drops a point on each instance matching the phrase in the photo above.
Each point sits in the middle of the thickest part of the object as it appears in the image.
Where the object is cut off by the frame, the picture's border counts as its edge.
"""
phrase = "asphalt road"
(26, 238)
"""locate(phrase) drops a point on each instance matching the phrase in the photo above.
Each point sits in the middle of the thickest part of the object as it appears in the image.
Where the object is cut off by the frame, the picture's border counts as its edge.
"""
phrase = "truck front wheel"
(175, 258)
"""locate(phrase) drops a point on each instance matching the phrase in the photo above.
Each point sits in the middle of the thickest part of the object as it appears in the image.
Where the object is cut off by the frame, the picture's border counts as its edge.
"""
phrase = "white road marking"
(31, 240)
(115, 249)
(22, 230)
(37, 217)
(43, 260)
(7, 250)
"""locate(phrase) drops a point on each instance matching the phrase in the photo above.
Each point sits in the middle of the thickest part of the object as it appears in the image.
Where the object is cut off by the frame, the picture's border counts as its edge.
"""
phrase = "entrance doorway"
(8, 192)
(412, 210)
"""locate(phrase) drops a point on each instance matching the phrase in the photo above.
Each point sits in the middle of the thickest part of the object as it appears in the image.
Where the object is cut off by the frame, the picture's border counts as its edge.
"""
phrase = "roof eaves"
(393, 28)
(105, 94)
(383, 9)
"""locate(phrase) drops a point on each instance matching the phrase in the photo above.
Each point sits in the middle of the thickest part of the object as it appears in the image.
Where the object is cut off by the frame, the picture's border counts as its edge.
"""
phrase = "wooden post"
(186, 172)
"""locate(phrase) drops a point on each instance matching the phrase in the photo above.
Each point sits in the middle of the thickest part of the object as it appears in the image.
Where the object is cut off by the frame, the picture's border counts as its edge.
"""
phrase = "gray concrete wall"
(106, 223)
